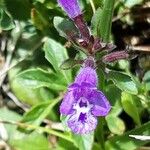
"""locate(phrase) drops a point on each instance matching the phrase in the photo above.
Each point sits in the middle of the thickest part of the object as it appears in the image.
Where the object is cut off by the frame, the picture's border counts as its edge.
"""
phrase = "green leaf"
(34, 86)
(130, 107)
(95, 21)
(6, 21)
(7, 115)
(33, 141)
(146, 80)
(38, 113)
(65, 27)
(65, 145)
(84, 142)
(104, 27)
(123, 82)
(30, 96)
(124, 142)
(113, 94)
(55, 53)
(115, 124)
(40, 78)
(20, 141)
(102, 20)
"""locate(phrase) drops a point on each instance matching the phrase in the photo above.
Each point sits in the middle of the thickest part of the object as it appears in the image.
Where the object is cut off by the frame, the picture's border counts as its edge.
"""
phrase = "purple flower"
(71, 7)
(83, 102)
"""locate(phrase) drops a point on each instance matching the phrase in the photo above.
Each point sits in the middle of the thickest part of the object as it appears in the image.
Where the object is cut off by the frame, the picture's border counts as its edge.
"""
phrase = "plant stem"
(42, 129)
(102, 142)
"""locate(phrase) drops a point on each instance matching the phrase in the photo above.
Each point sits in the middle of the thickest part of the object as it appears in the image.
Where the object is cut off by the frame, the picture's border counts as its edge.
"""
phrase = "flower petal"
(73, 86)
(101, 104)
(71, 7)
(87, 75)
(79, 126)
(67, 103)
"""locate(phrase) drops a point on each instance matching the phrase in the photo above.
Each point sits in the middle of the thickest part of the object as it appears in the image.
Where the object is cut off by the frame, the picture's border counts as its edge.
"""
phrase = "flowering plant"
(83, 102)
(67, 78)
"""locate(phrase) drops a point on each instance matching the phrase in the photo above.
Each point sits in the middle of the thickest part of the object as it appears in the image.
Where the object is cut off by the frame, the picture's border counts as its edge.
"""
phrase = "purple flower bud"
(115, 56)
(83, 102)
(71, 7)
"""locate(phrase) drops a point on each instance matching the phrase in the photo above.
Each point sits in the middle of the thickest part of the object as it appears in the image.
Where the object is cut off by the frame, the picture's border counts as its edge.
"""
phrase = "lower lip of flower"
(82, 121)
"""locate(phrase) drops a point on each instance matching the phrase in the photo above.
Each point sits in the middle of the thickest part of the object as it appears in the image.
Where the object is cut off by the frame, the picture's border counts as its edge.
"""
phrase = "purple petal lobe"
(82, 121)
(87, 75)
(101, 104)
(67, 103)
(73, 86)
(71, 7)
(83, 102)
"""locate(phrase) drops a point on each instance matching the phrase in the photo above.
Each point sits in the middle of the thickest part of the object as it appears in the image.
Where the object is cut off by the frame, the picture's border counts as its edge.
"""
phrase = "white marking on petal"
(82, 126)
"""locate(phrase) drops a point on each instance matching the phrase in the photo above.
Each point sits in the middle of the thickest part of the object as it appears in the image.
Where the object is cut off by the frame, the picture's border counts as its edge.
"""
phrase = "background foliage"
(32, 83)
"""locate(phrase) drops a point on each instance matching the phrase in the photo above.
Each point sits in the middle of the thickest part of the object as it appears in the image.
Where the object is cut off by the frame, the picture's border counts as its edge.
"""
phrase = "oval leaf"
(130, 107)
(65, 27)
(115, 124)
(55, 53)
(123, 82)
(84, 142)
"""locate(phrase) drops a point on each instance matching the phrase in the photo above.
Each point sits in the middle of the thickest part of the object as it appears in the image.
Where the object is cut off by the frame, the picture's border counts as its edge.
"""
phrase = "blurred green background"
(33, 47)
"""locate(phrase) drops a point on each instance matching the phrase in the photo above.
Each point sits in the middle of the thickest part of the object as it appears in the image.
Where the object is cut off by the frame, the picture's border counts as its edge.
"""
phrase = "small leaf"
(84, 142)
(30, 86)
(115, 124)
(27, 95)
(55, 53)
(40, 78)
(96, 20)
(65, 27)
(6, 21)
(39, 112)
(102, 20)
(113, 94)
(124, 142)
(104, 27)
(146, 80)
(130, 107)
(33, 141)
(123, 82)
